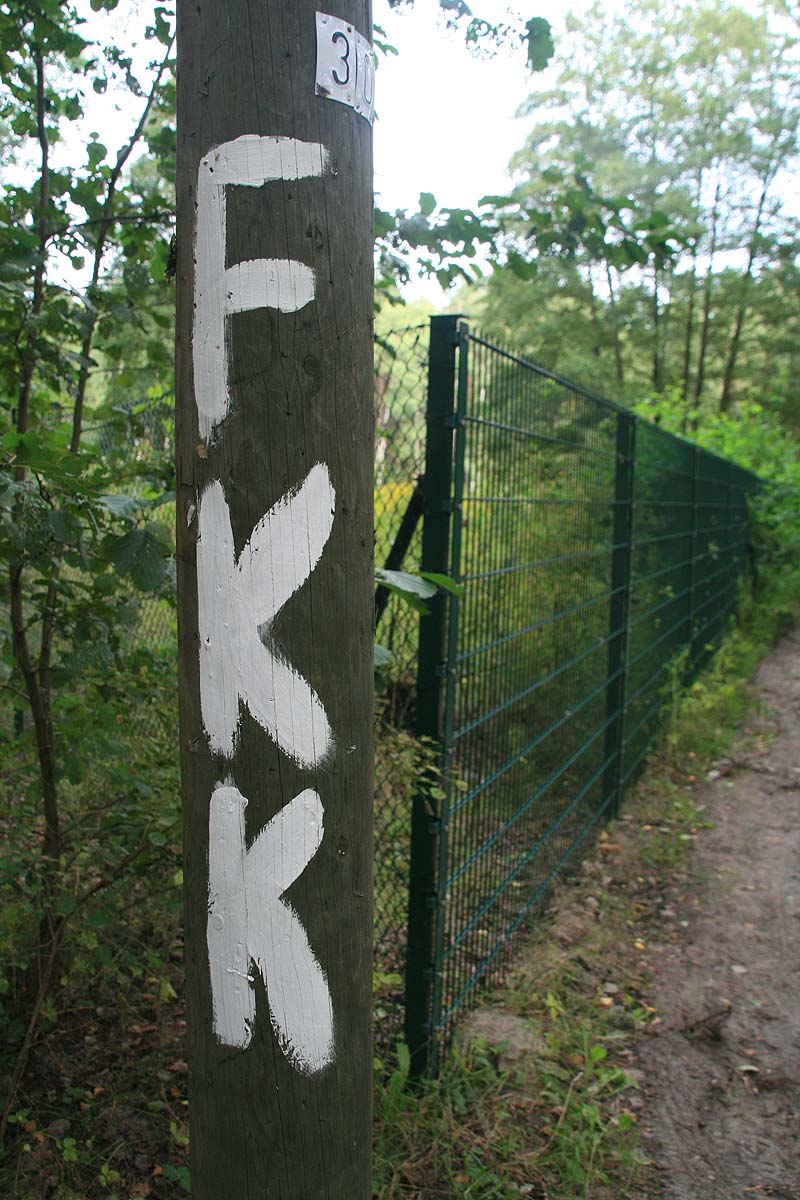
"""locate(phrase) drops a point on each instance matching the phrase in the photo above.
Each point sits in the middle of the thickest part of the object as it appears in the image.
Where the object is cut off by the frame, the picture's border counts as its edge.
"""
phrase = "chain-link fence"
(145, 433)
(401, 381)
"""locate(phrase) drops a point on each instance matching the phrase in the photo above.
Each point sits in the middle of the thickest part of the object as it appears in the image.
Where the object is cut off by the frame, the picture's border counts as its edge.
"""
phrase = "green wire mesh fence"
(599, 558)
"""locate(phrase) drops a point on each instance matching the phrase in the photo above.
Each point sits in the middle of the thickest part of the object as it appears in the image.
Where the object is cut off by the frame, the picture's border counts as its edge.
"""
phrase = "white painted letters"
(249, 161)
(250, 926)
(248, 923)
(239, 599)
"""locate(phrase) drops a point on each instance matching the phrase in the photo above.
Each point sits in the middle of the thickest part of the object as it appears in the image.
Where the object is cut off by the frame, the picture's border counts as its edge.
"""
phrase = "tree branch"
(105, 222)
(26, 383)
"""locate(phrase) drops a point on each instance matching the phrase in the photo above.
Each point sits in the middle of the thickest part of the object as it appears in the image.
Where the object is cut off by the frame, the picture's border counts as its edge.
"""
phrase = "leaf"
(541, 47)
(121, 506)
(382, 657)
(413, 588)
(444, 582)
(63, 526)
(427, 203)
(142, 555)
(96, 152)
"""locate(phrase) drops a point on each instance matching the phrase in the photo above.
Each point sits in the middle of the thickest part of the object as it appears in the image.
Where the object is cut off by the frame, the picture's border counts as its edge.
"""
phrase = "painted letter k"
(238, 600)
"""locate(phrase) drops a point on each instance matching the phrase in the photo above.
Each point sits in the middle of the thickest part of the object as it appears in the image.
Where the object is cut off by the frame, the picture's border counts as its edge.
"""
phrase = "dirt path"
(723, 1101)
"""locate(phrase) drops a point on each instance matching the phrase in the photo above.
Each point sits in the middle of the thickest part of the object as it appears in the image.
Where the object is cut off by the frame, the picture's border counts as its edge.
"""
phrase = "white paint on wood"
(250, 923)
(238, 600)
(284, 284)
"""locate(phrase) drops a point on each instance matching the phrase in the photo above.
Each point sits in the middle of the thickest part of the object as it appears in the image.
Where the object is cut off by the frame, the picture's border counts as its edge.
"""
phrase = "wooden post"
(274, 520)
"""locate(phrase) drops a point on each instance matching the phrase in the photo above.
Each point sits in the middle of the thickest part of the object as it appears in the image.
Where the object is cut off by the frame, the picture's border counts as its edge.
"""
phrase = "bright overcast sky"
(445, 118)
(445, 122)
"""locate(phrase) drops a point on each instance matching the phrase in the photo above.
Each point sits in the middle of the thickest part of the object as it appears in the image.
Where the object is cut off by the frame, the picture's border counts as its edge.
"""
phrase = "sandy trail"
(724, 1072)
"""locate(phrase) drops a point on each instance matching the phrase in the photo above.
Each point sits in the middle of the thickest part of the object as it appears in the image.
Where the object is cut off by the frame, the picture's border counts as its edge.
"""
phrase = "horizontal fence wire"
(599, 558)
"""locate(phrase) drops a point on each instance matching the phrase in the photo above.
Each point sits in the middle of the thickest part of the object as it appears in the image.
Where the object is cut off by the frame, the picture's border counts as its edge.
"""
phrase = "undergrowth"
(559, 1119)
(102, 1108)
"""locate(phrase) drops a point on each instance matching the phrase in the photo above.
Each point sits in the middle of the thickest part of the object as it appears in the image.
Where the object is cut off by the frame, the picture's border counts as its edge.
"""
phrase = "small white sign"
(345, 65)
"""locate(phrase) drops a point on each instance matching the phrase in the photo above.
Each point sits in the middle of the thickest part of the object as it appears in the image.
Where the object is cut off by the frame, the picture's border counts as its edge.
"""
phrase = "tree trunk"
(597, 348)
(612, 299)
(657, 334)
(726, 396)
(275, 419)
(705, 323)
(687, 341)
(35, 685)
(690, 307)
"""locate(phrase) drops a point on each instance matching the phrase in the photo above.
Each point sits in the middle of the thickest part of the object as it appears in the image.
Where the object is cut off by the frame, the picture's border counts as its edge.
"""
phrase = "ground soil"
(676, 943)
(722, 1098)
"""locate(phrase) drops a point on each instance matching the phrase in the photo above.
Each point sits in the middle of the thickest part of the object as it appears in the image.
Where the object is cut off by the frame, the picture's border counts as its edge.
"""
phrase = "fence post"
(424, 901)
(619, 609)
(692, 568)
(275, 469)
(729, 540)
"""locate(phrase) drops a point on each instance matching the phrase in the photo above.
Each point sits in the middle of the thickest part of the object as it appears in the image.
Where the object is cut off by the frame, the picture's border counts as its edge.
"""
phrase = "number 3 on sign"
(345, 65)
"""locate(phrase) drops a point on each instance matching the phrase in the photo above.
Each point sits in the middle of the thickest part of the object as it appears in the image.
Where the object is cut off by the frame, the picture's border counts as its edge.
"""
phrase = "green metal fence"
(600, 558)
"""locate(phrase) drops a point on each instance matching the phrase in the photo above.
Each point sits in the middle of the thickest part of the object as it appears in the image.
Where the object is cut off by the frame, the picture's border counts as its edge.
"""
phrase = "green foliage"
(435, 242)
(648, 241)
(483, 37)
(465, 1114)
(754, 436)
(495, 1130)
(541, 47)
(416, 589)
(82, 470)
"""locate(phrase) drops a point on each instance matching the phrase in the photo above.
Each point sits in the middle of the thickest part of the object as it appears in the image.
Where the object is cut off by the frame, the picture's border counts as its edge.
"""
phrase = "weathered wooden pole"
(274, 481)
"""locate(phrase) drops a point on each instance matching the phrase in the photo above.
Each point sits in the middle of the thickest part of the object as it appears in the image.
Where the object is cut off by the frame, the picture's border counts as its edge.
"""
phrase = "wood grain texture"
(301, 394)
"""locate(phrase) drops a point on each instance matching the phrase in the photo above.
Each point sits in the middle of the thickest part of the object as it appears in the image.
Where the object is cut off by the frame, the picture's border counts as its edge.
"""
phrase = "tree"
(689, 117)
(77, 537)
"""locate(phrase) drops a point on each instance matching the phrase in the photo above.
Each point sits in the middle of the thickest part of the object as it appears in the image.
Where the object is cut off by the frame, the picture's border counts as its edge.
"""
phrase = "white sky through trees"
(445, 119)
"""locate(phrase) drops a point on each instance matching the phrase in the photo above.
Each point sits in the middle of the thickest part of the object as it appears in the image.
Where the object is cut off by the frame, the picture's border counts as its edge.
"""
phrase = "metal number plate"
(345, 65)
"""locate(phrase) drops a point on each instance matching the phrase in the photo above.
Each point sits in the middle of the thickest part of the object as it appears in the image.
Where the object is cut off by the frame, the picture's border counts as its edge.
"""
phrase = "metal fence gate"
(600, 559)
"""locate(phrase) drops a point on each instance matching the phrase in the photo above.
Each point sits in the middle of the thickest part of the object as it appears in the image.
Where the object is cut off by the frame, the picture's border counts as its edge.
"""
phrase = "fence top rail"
(603, 401)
